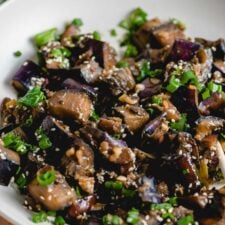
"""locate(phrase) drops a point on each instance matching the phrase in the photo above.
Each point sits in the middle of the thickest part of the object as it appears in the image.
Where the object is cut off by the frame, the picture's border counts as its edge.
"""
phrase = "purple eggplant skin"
(70, 83)
(9, 164)
(218, 45)
(183, 50)
(185, 98)
(22, 80)
(95, 136)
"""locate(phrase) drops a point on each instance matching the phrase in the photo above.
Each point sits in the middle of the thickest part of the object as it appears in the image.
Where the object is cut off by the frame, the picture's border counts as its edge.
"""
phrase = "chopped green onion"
(10, 140)
(122, 64)
(133, 216)
(111, 219)
(59, 221)
(172, 201)
(113, 33)
(167, 215)
(21, 181)
(32, 98)
(174, 84)
(178, 23)
(46, 178)
(185, 171)
(17, 53)
(180, 125)
(131, 51)
(28, 122)
(44, 37)
(96, 35)
(137, 18)
(39, 217)
(128, 193)
(144, 71)
(206, 94)
(60, 52)
(43, 140)
(160, 206)
(156, 100)
(213, 87)
(150, 111)
(77, 22)
(115, 185)
(94, 116)
(187, 220)
(155, 73)
(188, 76)
(51, 213)
(77, 191)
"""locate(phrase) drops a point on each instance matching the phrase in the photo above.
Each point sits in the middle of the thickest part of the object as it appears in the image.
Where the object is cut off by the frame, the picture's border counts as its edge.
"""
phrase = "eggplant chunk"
(207, 125)
(79, 164)
(70, 32)
(220, 66)
(112, 125)
(27, 76)
(9, 163)
(55, 196)
(71, 104)
(120, 80)
(213, 103)
(134, 117)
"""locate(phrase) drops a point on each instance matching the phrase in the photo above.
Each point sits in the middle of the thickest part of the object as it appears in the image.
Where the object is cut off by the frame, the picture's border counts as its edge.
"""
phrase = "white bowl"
(21, 19)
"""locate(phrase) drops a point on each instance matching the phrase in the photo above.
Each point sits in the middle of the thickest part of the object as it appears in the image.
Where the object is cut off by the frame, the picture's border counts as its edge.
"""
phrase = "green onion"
(28, 122)
(60, 52)
(111, 219)
(222, 135)
(17, 53)
(178, 23)
(77, 22)
(127, 193)
(174, 84)
(59, 221)
(43, 140)
(206, 94)
(150, 111)
(131, 51)
(94, 116)
(213, 87)
(160, 206)
(155, 73)
(187, 77)
(51, 213)
(77, 191)
(185, 171)
(122, 64)
(96, 35)
(133, 216)
(156, 100)
(32, 98)
(115, 185)
(44, 37)
(172, 201)
(46, 178)
(144, 71)
(137, 18)
(113, 33)
(21, 181)
(39, 217)
(10, 140)
(187, 220)
(180, 125)
(167, 215)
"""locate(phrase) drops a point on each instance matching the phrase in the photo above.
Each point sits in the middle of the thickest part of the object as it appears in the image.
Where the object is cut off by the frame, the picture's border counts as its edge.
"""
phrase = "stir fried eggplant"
(135, 141)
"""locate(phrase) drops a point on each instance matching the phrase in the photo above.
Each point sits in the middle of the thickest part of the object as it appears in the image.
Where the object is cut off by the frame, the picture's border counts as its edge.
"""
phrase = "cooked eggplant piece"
(155, 129)
(183, 50)
(67, 37)
(81, 206)
(202, 64)
(219, 65)
(71, 104)
(29, 75)
(55, 196)
(166, 34)
(212, 104)
(104, 54)
(120, 80)
(112, 125)
(147, 190)
(207, 125)
(78, 86)
(186, 101)
(150, 88)
(218, 46)
(143, 35)
(135, 117)
(9, 164)
(79, 164)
